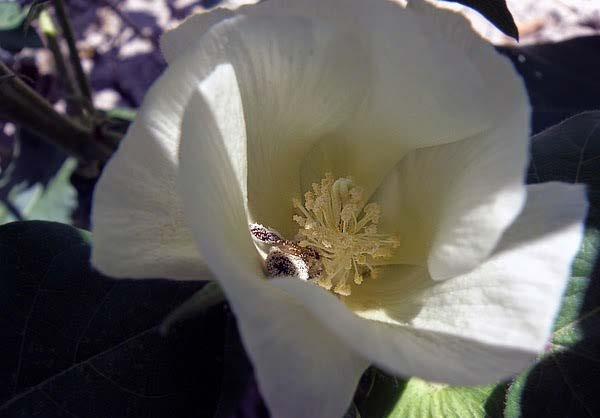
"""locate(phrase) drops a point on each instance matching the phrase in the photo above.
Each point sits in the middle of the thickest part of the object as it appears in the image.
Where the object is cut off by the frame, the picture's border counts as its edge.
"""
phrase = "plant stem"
(63, 73)
(74, 105)
(67, 29)
(12, 209)
(20, 103)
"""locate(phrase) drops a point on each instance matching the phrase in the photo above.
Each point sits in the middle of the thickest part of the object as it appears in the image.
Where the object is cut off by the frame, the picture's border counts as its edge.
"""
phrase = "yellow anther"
(299, 220)
(335, 222)
(347, 213)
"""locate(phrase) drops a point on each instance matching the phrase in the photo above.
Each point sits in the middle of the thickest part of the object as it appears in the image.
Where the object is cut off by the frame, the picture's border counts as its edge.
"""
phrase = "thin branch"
(21, 104)
(67, 29)
(13, 210)
(83, 91)
(63, 72)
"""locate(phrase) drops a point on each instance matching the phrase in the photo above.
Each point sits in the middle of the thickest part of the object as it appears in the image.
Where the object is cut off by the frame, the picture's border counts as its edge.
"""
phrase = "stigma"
(341, 228)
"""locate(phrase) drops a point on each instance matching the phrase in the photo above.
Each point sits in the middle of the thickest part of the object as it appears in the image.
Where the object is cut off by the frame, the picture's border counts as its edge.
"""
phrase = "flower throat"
(337, 242)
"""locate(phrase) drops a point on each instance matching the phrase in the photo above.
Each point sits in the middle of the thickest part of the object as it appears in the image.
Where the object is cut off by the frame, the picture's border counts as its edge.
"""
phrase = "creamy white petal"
(472, 329)
(432, 80)
(428, 87)
(303, 370)
(514, 296)
(299, 79)
(293, 76)
(137, 219)
(450, 204)
(481, 191)
(406, 351)
(186, 35)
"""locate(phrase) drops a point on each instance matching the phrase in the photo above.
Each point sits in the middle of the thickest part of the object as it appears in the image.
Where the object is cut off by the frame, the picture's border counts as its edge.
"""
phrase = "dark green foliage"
(15, 32)
(570, 152)
(566, 381)
(76, 343)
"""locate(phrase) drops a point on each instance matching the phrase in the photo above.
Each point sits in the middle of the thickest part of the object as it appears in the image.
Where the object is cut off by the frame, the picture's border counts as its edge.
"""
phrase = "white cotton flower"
(422, 252)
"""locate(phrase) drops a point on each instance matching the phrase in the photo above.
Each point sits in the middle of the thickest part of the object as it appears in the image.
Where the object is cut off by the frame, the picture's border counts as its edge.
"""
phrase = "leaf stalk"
(21, 104)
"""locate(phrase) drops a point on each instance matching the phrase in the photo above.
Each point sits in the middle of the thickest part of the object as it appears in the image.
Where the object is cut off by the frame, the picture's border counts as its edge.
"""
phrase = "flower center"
(337, 242)
(335, 222)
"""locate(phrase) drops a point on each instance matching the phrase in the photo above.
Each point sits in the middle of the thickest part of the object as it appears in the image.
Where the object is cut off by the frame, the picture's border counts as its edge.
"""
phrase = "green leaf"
(122, 113)
(37, 9)
(389, 397)
(77, 343)
(15, 31)
(11, 15)
(51, 202)
(117, 119)
(58, 199)
(496, 12)
(565, 382)
(570, 152)
(36, 184)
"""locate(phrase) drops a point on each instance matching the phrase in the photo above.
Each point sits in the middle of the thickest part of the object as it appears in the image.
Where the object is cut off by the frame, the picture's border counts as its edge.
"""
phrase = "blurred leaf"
(36, 184)
(122, 113)
(117, 119)
(15, 31)
(11, 15)
(15, 40)
(76, 343)
(34, 161)
(7, 141)
(496, 12)
(34, 12)
(58, 198)
(53, 202)
(566, 381)
(390, 397)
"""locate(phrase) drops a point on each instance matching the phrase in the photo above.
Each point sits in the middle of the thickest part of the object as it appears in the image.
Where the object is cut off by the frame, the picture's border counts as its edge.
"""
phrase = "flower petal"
(472, 329)
(474, 186)
(137, 219)
(515, 295)
(450, 204)
(299, 79)
(411, 102)
(185, 36)
(303, 370)
(293, 76)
